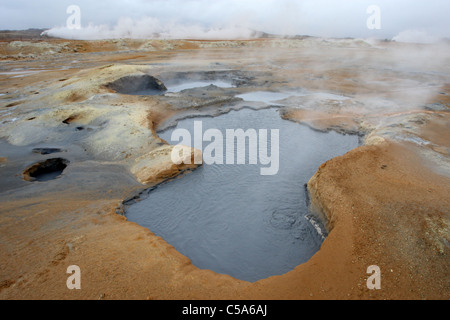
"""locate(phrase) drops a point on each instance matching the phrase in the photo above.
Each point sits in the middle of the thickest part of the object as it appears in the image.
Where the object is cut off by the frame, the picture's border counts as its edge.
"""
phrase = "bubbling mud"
(46, 170)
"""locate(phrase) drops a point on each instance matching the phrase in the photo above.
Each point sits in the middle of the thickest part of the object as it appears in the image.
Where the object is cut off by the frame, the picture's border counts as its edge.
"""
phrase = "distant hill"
(30, 34)
(36, 34)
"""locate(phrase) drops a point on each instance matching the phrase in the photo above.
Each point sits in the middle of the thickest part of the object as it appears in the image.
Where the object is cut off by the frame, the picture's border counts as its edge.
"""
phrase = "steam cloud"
(416, 36)
(402, 20)
(151, 28)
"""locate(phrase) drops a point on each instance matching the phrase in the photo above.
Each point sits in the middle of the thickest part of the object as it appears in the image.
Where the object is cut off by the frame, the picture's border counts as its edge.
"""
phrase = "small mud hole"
(46, 170)
(45, 151)
(231, 219)
(71, 119)
(138, 85)
(13, 104)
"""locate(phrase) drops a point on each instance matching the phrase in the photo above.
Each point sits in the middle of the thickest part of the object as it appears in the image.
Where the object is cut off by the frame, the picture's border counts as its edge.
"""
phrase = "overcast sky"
(328, 18)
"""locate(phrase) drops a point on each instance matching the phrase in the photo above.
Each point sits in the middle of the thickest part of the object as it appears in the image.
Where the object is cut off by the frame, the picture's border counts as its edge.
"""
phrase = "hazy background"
(404, 20)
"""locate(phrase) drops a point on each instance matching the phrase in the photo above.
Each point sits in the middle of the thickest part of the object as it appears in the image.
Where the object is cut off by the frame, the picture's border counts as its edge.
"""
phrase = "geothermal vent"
(46, 170)
(138, 84)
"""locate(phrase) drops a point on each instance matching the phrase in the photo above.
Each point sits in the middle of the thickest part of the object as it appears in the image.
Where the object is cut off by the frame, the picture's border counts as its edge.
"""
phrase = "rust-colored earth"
(385, 203)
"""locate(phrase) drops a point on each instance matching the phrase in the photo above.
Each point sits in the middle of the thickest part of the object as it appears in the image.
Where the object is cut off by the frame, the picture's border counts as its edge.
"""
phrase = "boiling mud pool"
(230, 218)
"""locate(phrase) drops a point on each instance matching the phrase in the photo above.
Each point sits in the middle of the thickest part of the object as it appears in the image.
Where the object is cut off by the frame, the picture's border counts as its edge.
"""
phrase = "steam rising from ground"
(152, 28)
(416, 36)
(409, 21)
